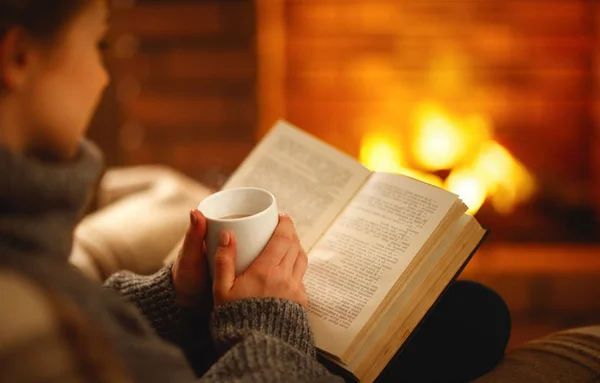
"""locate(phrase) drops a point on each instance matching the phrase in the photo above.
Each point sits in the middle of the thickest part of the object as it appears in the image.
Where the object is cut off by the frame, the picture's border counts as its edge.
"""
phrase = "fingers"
(190, 270)
(197, 224)
(224, 273)
(194, 236)
(281, 241)
(277, 272)
(289, 259)
(300, 265)
(192, 250)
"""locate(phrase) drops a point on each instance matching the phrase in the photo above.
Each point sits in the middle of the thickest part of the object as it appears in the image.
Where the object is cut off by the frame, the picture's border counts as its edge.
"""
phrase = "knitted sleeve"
(154, 296)
(265, 340)
(258, 340)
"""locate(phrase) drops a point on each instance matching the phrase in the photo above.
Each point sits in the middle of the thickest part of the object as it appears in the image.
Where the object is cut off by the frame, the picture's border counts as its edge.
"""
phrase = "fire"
(506, 179)
(471, 188)
(382, 154)
(480, 168)
(379, 152)
(439, 142)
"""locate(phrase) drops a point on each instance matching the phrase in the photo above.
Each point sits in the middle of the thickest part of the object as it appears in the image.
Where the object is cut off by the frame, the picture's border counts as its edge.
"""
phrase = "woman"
(51, 79)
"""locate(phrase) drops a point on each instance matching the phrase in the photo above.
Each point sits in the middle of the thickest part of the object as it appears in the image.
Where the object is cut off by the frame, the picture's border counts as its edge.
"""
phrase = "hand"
(190, 270)
(277, 272)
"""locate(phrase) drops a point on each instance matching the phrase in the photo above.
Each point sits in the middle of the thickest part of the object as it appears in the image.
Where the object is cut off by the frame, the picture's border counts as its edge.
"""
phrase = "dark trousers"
(462, 338)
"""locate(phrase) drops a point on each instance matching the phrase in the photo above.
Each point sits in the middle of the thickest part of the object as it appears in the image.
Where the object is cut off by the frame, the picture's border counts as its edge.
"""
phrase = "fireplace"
(493, 100)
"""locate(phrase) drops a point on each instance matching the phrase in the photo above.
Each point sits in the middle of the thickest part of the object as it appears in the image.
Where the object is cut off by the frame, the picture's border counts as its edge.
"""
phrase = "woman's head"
(51, 72)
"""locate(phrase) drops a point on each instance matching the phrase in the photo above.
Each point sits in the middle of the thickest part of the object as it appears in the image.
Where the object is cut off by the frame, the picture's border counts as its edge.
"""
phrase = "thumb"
(225, 262)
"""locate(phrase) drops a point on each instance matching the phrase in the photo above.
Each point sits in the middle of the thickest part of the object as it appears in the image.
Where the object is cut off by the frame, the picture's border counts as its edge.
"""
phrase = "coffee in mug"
(235, 216)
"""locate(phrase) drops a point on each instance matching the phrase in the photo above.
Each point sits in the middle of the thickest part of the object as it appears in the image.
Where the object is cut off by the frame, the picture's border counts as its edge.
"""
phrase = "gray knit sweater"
(257, 340)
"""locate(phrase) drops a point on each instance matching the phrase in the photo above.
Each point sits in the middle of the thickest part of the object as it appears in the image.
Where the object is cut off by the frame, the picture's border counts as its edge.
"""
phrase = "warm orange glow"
(439, 142)
(481, 169)
(506, 178)
(494, 174)
(469, 187)
(379, 153)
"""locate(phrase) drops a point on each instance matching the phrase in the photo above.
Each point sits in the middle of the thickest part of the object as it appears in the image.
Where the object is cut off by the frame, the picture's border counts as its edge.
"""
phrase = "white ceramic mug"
(250, 214)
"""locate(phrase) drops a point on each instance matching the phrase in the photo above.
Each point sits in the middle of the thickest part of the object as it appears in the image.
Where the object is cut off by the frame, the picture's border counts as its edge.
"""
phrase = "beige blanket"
(142, 216)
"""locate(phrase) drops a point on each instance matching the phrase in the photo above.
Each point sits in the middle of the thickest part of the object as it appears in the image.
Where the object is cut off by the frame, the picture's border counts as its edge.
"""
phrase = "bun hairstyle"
(43, 19)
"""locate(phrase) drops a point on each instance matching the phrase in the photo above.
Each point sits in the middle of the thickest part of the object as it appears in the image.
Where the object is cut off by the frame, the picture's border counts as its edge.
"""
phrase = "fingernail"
(286, 215)
(193, 219)
(224, 239)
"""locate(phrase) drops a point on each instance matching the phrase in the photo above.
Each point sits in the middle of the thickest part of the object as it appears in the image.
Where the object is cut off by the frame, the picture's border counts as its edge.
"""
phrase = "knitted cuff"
(154, 295)
(273, 317)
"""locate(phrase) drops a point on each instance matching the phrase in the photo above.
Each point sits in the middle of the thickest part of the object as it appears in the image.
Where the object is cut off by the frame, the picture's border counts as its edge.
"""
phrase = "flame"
(495, 174)
(481, 169)
(380, 153)
(506, 178)
(469, 187)
(439, 143)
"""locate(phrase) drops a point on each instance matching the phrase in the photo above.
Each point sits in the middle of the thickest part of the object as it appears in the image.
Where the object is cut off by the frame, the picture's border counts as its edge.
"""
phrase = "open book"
(382, 247)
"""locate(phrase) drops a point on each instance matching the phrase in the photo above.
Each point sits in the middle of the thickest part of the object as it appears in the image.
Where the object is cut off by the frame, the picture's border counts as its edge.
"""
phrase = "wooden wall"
(184, 85)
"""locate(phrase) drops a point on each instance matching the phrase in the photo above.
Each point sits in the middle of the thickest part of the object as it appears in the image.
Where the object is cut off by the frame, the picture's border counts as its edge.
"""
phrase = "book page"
(416, 299)
(311, 180)
(364, 252)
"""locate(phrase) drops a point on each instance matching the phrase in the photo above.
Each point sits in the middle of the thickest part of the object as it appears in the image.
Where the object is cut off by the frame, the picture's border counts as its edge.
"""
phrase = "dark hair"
(44, 19)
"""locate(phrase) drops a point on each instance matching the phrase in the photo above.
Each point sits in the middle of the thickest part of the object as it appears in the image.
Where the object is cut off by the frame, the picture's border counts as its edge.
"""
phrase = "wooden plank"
(574, 294)
(175, 111)
(191, 64)
(576, 44)
(225, 154)
(536, 259)
(555, 90)
(193, 157)
(240, 89)
(171, 19)
(270, 45)
(435, 17)
(533, 295)
(157, 135)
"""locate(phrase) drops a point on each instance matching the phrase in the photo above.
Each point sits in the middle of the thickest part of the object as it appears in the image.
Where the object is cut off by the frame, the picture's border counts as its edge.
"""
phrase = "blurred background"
(495, 100)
